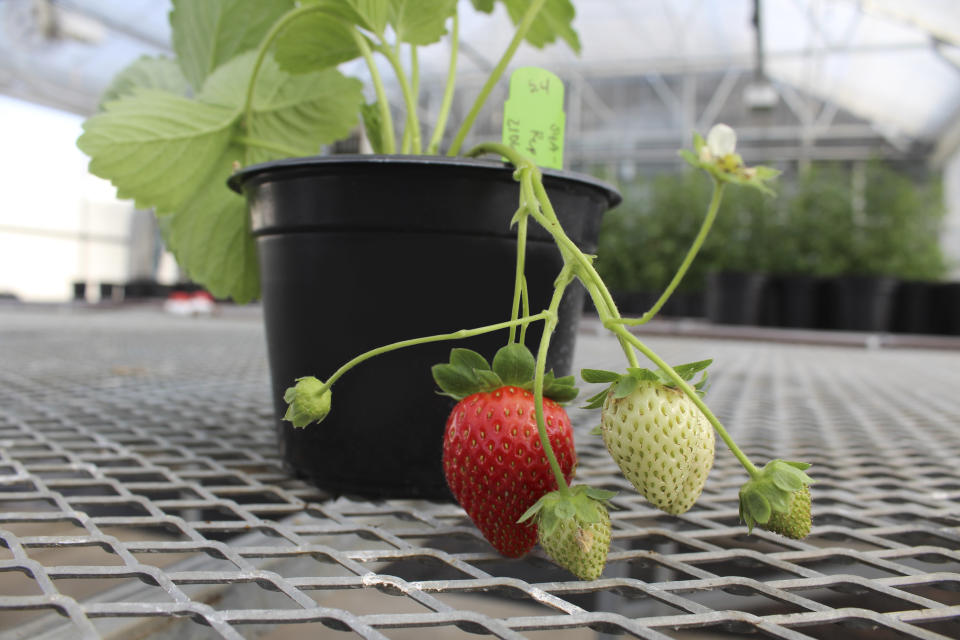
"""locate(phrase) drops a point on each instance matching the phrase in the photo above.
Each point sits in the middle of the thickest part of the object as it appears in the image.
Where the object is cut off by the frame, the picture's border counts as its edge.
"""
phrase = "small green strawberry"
(795, 522)
(656, 434)
(778, 499)
(574, 529)
(493, 459)
(306, 402)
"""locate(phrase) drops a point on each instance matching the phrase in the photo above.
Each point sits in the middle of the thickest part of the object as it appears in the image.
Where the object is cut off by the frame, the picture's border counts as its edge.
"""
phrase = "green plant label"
(533, 118)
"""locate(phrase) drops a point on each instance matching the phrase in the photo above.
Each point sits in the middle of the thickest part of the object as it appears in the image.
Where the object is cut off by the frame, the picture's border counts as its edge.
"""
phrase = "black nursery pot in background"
(858, 303)
(735, 297)
(361, 251)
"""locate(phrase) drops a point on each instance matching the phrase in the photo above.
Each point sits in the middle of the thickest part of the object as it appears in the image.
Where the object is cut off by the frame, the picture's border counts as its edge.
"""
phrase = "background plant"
(819, 226)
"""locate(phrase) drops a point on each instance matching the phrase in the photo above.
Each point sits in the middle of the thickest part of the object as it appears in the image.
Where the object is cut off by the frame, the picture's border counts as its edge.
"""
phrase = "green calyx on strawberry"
(493, 460)
(656, 434)
(306, 402)
(778, 499)
(574, 528)
(468, 372)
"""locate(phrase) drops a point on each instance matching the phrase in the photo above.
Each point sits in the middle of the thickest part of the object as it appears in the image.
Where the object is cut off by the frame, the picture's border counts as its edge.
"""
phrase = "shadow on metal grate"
(141, 496)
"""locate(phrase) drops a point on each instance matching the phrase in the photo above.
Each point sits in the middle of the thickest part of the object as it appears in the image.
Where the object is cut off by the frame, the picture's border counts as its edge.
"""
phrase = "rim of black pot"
(245, 174)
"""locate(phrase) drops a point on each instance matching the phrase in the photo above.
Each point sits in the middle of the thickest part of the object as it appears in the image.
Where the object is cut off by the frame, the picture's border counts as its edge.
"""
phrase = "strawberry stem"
(691, 254)
(522, 28)
(447, 101)
(564, 279)
(456, 335)
(576, 263)
(519, 280)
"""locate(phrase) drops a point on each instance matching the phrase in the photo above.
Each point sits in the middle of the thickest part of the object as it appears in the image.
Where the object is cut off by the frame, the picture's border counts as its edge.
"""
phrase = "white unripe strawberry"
(662, 442)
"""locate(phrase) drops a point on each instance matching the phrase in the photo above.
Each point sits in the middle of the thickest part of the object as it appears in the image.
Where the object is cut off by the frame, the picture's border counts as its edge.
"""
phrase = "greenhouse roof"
(891, 63)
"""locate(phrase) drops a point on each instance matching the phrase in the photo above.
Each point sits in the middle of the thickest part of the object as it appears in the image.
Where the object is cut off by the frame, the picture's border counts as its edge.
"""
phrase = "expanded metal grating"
(141, 496)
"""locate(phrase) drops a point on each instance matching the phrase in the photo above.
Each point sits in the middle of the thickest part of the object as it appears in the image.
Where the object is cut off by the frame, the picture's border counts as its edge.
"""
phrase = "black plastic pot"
(859, 303)
(945, 308)
(796, 301)
(361, 251)
(914, 307)
(735, 297)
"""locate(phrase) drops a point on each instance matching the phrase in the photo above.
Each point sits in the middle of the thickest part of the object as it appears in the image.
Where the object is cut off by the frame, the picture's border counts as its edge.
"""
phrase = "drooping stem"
(688, 259)
(603, 300)
(518, 284)
(525, 298)
(581, 266)
(564, 279)
(456, 335)
(494, 76)
(541, 209)
(684, 386)
(447, 101)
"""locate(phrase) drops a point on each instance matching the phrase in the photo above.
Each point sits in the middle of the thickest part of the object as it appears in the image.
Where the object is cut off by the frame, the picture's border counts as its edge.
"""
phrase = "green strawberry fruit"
(660, 439)
(795, 522)
(307, 402)
(493, 459)
(574, 529)
(777, 498)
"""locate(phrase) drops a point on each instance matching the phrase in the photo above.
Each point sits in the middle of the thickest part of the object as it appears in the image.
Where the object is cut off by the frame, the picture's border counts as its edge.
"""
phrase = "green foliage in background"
(816, 226)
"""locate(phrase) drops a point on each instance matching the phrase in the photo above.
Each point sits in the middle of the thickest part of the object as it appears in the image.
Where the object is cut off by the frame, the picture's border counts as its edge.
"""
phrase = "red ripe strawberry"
(492, 456)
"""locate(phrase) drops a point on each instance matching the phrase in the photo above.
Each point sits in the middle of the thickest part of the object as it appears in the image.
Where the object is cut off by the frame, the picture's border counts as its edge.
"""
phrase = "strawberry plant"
(654, 421)
(259, 80)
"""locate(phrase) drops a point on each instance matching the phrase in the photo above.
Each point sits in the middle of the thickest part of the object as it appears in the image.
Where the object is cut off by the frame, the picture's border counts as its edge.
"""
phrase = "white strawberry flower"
(717, 155)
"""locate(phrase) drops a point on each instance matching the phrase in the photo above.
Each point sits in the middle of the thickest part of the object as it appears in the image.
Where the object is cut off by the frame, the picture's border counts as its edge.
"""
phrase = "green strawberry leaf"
(301, 112)
(468, 372)
(599, 376)
(155, 147)
(421, 22)
(555, 20)
(779, 499)
(597, 430)
(488, 379)
(209, 33)
(455, 382)
(701, 386)
(315, 41)
(587, 511)
(688, 371)
(602, 495)
(625, 386)
(210, 236)
(690, 158)
(486, 6)
(596, 402)
(514, 364)
(468, 358)
(148, 73)
(643, 375)
(372, 15)
(565, 509)
(561, 393)
(756, 507)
